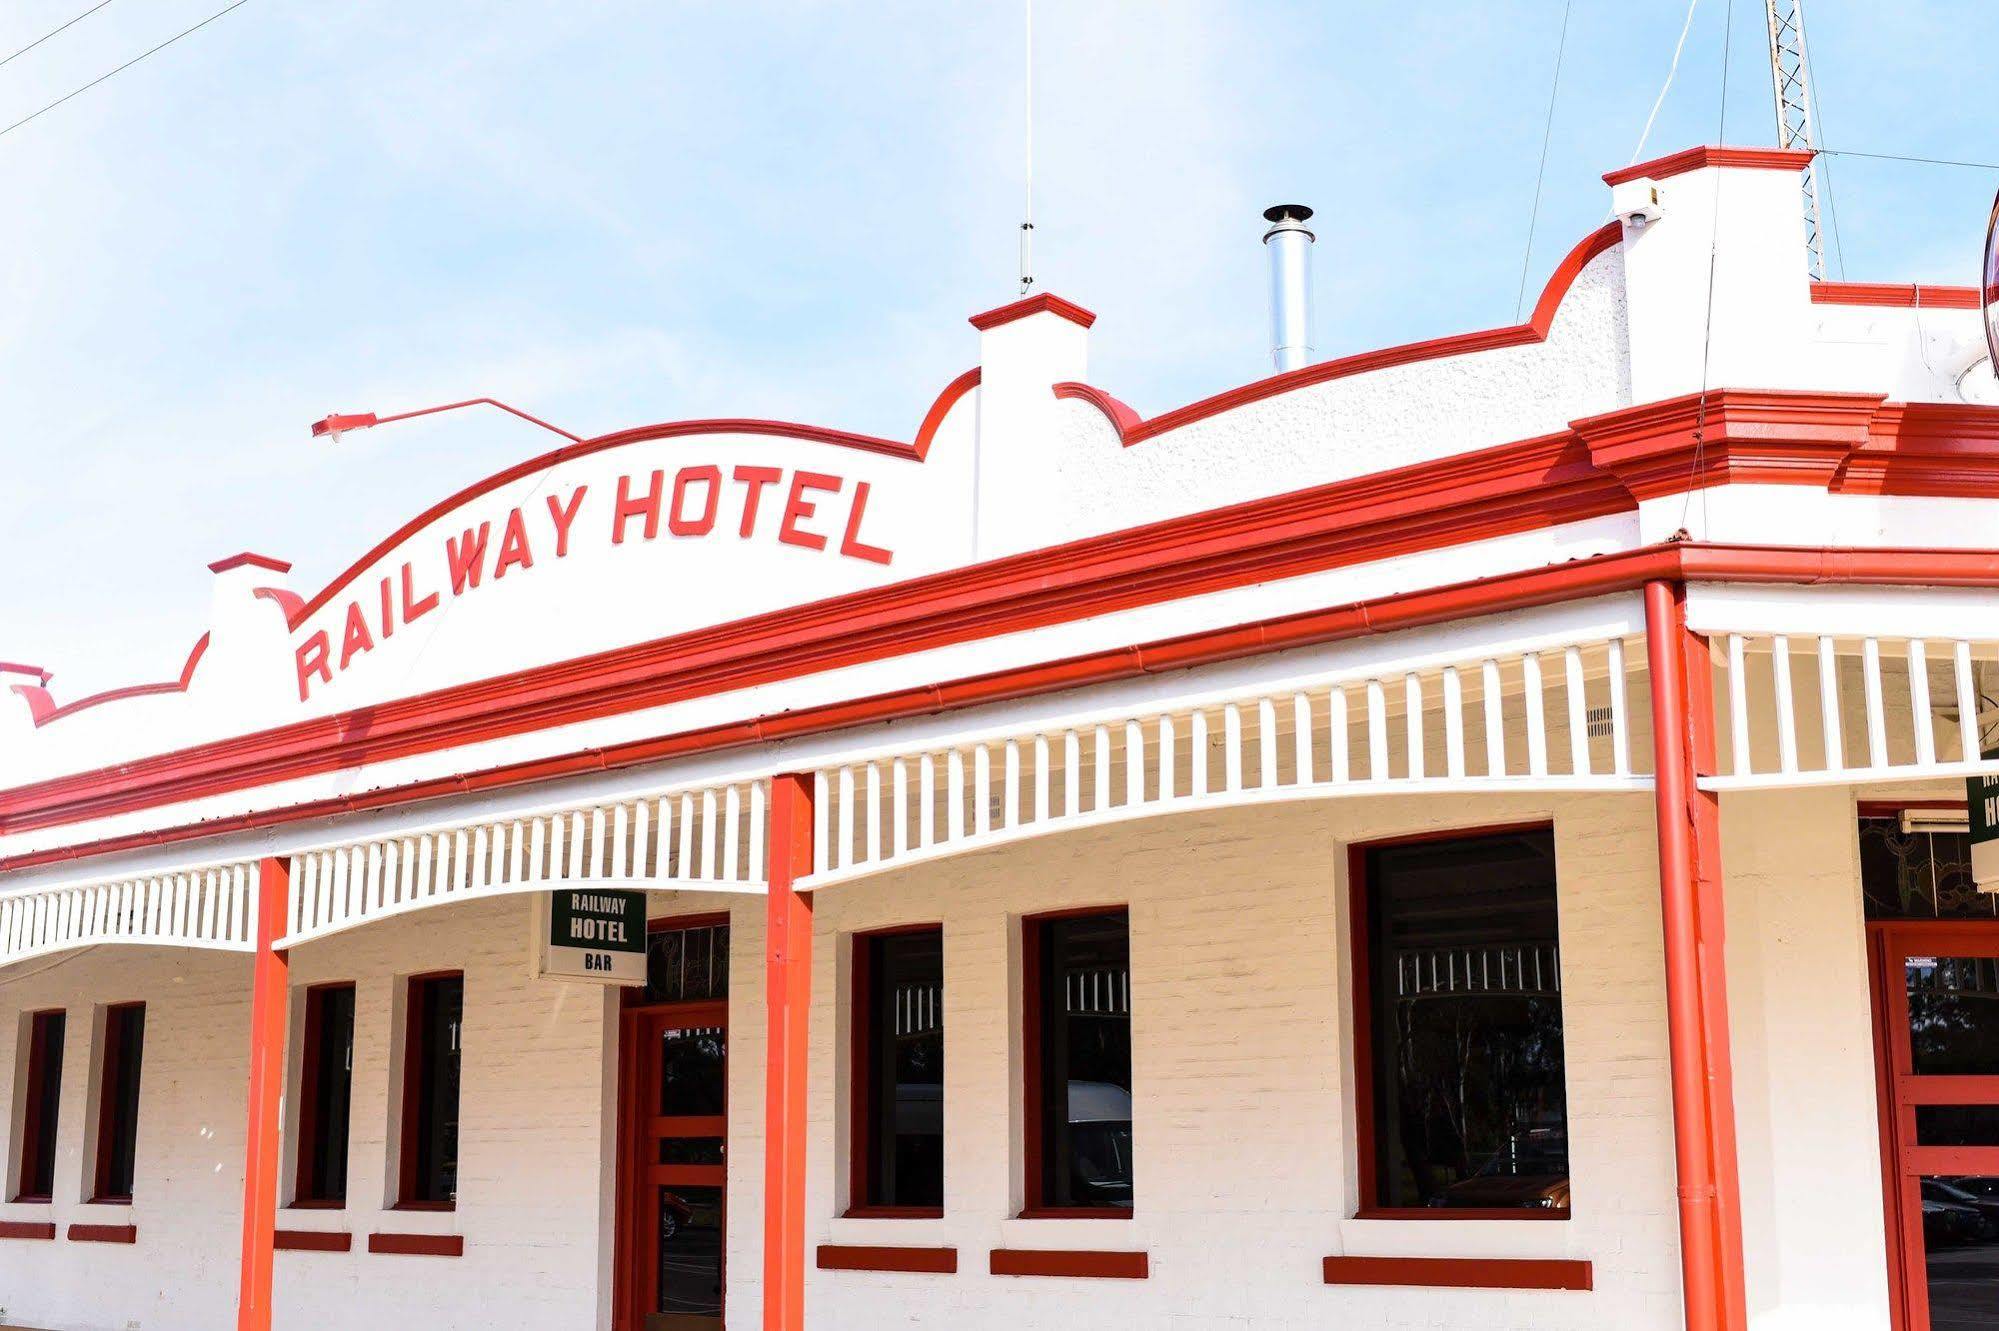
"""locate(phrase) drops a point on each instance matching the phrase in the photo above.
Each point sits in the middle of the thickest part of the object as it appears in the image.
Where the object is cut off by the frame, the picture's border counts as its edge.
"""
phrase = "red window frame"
(111, 1123)
(1358, 944)
(30, 1157)
(309, 1126)
(413, 1013)
(860, 1078)
(1031, 961)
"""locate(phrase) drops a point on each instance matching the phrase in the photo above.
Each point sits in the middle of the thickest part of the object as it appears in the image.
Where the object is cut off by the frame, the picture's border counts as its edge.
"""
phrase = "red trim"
(1696, 988)
(248, 560)
(1033, 1143)
(308, 1096)
(26, 1229)
(788, 1008)
(933, 419)
(1044, 302)
(1894, 808)
(45, 714)
(1693, 159)
(192, 774)
(16, 668)
(1076, 1262)
(1926, 448)
(1132, 430)
(846, 1257)
(289, 602)
(1359, 934)
(270, 997)
(311, 1240)
(109, 1074)
(1895, 295)
(1460, 1272)
(1768, 437)
(103, 1233)
(418, 1245)
(417, 995)
(29, 1157)
(861, 1149)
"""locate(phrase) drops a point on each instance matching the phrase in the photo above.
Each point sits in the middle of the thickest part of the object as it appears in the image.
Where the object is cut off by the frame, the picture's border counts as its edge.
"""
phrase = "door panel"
(675, 1060)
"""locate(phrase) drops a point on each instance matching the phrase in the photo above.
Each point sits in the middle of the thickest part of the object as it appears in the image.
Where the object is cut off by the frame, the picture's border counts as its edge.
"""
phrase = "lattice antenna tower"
(1791, 84)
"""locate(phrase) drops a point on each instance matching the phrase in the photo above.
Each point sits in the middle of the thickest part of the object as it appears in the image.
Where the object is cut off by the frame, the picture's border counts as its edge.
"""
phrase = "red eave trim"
(1460, 1272)
(1131, 429)
(1693, 159)
(1045, 302)
(912, 452)
(1895, 295)
(249, 560)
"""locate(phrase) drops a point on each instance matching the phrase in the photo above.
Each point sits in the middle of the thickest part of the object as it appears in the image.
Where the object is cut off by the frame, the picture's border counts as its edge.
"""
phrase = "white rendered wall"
(1802, 1027)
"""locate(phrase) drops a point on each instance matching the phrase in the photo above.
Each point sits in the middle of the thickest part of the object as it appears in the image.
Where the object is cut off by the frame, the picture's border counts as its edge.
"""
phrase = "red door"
(674, 1091)
(1937, 1043)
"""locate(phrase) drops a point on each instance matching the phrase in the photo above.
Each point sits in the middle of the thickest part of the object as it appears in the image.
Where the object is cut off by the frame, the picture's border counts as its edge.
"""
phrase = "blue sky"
(615, 213)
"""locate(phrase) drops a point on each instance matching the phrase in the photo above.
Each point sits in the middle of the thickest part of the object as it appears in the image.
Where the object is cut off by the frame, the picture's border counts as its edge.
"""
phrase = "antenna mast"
(1027, 207)
(1791, 84)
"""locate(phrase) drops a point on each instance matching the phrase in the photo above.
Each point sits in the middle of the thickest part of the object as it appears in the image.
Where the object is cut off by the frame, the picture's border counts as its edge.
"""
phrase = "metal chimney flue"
(1290, 246)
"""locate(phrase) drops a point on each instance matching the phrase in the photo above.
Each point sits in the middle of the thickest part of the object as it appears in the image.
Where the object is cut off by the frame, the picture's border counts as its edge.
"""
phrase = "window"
(898, 1070)
(686, 963)
(430, 1092)
(1459, 1012)
(326, 1081)
(1078, 973)
(118, 1101)
(41, 1097)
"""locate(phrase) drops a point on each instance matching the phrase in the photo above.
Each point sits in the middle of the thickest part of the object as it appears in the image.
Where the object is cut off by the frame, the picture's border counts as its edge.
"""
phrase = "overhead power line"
(78, 92)
(1902, 157)
(57, 31)
(1547, 131)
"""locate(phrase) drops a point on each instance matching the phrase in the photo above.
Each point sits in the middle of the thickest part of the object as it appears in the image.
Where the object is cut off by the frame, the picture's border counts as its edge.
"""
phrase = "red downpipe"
(788, 1005)
(1696, 985)
(269, 978)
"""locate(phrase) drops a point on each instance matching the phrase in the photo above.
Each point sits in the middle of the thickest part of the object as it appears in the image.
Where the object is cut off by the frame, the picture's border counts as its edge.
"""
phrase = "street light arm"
(337, 424)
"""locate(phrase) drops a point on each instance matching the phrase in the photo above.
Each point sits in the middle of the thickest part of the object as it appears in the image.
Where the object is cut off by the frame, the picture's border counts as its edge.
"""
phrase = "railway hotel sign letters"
(710, 502)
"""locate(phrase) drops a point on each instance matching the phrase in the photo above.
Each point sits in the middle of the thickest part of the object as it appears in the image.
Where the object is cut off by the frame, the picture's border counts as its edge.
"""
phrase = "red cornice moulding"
(1693, 159)
(1926, 448)
(1070, 1262)
(1132, 429)
(15, 667)
(1524, 486)
(851, 1257)
(1045, 302)
(1767, 436)
(1895, 295)
(916, 451)
(1576, 579)
(249, 560)
(1460, 1272)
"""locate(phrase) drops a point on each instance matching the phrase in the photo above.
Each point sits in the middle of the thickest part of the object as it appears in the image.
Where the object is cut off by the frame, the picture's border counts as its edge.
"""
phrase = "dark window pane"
(690, 1150)
(1085, 1055)
(693, 1076)
(1919, 875)
(687, 965)
(1953, 1015)
(118, 1120)
(1961, 1252)
(905, 1013)
(438, 1028)
(690, 1260)
(44, 1101)
(1957, 1125)
(328, 1090)
(1465, 1014)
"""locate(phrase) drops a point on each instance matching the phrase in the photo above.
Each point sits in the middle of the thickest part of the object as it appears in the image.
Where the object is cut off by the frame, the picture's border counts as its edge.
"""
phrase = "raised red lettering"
(851, 544)
(311, 657)
(676, 520)
(466, 560)
(753, 480)
(629, 508)
(415, 607)
(388, 611)
(797, 506)
(513, 547)
(562, 515)
(355, 639)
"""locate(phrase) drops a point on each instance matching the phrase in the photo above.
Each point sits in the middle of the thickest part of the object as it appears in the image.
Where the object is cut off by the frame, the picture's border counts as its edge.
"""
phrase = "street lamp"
(337, 424)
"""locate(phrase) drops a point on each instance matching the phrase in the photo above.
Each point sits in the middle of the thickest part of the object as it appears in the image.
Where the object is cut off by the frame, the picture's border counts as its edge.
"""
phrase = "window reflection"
(1961, 1242)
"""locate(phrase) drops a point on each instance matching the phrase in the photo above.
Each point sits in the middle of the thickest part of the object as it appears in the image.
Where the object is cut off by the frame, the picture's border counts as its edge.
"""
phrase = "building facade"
(1467, 834)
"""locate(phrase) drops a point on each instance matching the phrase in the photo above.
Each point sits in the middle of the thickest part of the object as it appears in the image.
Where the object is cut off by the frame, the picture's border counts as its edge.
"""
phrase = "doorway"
(1935, 973)
(673, 1133)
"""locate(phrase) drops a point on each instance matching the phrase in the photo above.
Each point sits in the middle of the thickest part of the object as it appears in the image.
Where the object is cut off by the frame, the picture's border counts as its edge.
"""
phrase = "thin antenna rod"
(1027, 214)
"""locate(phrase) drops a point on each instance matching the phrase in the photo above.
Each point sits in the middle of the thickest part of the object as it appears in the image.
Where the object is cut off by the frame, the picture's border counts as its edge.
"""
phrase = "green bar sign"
(1981, 804)
(596, 934)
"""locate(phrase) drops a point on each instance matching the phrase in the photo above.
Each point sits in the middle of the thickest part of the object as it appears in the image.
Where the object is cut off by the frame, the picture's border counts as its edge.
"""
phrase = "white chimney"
(1290, 246)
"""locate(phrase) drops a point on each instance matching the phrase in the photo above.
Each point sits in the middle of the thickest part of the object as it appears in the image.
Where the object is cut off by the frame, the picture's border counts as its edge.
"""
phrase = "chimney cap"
(1287, 212)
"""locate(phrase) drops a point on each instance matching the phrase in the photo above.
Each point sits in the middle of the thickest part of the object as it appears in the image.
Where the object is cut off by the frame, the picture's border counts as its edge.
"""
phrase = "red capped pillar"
(269, 981)
(788, 1002)
(1696, 981)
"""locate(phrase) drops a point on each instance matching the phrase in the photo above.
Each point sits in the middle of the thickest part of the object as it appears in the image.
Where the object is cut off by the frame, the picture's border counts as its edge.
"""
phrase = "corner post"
(269, 980)
(1696, 982)
(788, 1003)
